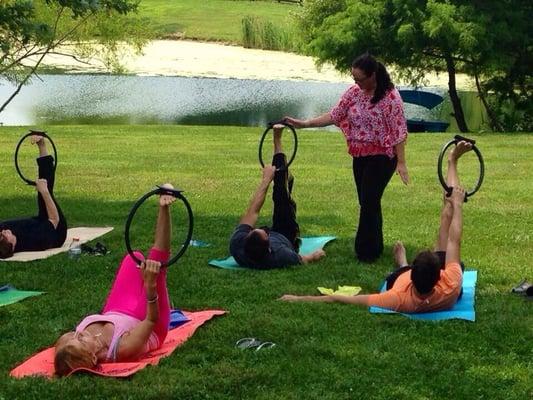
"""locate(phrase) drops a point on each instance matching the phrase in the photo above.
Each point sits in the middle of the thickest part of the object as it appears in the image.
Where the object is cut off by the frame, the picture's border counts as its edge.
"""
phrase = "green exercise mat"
(10, 295)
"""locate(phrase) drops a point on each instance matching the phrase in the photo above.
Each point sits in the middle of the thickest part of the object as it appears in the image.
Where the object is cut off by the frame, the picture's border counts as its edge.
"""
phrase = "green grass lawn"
(324, 351)
(212, 20)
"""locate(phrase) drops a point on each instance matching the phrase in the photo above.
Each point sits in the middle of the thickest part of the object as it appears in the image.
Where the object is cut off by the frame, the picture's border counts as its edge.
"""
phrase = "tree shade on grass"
(323, 351)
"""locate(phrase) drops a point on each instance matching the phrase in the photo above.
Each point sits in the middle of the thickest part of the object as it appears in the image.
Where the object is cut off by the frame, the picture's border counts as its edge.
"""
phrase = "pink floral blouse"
(370, 129)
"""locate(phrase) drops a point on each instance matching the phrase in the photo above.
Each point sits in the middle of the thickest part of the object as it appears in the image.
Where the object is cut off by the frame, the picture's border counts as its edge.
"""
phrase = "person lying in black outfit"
(275, 247)
(46, 230)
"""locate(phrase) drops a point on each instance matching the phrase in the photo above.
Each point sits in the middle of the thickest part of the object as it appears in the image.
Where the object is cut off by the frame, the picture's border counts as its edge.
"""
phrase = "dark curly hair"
(425, 271)
(255, 246)
(6, 249)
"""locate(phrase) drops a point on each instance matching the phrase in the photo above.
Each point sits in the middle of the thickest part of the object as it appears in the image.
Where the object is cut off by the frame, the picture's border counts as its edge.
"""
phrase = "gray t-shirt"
(281, 253)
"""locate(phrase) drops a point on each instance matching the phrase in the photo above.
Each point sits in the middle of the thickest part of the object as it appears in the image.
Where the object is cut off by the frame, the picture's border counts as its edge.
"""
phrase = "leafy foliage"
(487, 40)
(29, 30)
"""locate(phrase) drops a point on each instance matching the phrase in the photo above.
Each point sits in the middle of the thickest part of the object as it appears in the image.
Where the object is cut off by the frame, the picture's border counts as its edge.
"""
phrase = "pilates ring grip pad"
(32, 133)
(454, 141)
(270, 126)
(159, 190)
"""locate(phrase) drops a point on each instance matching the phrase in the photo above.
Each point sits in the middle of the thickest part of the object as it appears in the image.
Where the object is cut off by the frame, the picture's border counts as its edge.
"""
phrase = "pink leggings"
(128, 296)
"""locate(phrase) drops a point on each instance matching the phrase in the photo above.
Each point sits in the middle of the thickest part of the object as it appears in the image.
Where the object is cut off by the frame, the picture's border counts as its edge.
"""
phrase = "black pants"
(371, 175)
(47, 171)
(284, 215)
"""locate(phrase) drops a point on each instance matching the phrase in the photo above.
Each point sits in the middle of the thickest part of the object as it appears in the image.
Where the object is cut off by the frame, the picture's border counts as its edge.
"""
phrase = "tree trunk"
(454, 97)
(494, 123)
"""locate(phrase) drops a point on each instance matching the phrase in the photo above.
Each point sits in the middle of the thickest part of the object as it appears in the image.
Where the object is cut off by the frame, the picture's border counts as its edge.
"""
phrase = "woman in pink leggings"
(136, 315)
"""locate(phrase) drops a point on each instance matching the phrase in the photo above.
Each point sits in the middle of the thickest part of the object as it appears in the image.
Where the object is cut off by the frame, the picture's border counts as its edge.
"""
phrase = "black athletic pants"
(371, 175)
(47, 171)
(284, 215)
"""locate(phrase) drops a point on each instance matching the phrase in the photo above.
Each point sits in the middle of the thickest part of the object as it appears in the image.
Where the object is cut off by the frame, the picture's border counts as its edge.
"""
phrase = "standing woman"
(370, 114)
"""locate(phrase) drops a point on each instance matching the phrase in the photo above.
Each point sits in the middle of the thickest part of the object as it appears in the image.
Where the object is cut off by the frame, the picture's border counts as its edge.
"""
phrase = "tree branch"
(58, 53)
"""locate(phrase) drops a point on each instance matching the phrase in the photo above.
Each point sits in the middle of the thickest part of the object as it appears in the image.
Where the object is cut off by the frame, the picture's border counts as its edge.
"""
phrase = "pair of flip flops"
(524, 288)
(253, 343)
(98, 250)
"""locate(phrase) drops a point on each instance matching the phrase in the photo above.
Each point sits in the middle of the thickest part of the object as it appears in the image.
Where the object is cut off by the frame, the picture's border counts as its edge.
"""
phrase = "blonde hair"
(69, 357)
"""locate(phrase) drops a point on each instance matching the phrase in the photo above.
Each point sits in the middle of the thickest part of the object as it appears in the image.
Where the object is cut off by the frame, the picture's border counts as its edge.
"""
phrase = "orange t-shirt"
(403, 297)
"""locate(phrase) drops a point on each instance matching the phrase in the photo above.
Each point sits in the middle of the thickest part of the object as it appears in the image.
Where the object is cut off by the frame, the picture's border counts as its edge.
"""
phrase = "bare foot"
(461, 148)
(398, 251)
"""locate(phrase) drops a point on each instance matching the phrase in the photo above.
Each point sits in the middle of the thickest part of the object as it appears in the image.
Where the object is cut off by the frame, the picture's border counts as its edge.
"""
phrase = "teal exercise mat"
(463, 309)
(309, 244)
(10, 295)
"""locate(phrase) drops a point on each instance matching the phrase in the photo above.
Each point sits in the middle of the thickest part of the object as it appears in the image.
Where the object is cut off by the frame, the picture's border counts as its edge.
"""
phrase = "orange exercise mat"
(43, 362)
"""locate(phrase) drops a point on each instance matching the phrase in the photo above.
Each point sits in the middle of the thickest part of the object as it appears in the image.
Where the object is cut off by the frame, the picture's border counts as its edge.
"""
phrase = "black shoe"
(100, 249)
(522, 287)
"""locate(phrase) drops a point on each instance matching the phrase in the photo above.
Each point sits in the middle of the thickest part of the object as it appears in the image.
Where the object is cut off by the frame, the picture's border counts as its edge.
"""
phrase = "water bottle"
(74, 250)
(198, 243)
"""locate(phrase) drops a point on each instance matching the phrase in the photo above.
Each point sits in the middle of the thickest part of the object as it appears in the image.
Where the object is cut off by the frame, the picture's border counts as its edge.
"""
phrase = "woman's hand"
(166, 199)
(297, 123)
(401, 169)
(150, 270)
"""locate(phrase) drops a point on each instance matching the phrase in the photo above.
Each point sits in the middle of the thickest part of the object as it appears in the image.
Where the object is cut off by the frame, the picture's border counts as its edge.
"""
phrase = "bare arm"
(258, 199)
(51, 209)
(401, 167)
(360, 299)
(133, 343)
(163, 229)
(449, 208)
(453, 248)
(444, 227)
(317, 122)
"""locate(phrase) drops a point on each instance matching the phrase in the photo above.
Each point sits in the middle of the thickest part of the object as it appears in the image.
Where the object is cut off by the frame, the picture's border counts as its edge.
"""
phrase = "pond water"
(124, 99)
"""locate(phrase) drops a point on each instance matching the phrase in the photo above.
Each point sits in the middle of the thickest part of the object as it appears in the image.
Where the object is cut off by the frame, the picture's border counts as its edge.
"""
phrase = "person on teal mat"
(275, 247)
(428, 284)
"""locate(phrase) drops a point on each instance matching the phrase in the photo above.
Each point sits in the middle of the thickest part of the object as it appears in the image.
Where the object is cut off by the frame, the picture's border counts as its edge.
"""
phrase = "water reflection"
(108, 99)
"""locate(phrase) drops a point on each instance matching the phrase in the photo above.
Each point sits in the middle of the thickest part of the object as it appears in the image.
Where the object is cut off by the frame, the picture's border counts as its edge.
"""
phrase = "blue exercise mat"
(177, 318)
(463, 309)
(309, 244)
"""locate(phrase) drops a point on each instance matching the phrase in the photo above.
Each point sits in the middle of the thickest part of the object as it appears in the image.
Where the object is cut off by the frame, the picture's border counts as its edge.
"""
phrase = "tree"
(422, 36)
(30, 30)
(502, 71)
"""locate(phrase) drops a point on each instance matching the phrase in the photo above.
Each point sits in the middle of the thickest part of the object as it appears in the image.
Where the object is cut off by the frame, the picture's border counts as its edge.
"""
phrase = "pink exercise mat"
(42, 363)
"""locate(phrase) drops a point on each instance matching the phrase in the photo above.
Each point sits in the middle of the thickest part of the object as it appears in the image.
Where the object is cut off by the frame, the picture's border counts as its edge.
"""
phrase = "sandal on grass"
(248, 343)
(98, 250)
(101, 249)
(265, 345)
(253, 343)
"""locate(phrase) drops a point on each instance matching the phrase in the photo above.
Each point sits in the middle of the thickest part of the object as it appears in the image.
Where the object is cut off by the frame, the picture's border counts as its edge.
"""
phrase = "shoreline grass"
(324, 351)
(195, 20)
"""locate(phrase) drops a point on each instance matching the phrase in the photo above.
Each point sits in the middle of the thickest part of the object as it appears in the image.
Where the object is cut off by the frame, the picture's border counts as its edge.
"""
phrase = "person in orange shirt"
(435, 279)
